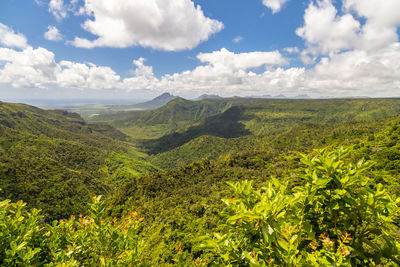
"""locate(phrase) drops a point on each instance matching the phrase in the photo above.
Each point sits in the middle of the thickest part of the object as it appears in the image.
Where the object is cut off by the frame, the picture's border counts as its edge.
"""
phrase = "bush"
(337, 217)
(20, 235)
(94, 240)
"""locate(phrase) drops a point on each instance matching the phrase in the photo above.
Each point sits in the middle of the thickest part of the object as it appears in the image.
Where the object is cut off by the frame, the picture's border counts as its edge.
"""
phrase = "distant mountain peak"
(165, 96)
(157, 102)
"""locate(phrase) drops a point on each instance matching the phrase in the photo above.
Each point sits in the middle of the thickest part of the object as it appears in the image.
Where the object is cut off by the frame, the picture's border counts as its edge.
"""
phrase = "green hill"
(55, 161)
(176, 116)
(267, 117)
(182, 204)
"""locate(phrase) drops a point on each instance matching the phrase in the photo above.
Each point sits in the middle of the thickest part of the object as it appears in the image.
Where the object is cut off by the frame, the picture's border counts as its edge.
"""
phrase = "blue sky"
(136, 49)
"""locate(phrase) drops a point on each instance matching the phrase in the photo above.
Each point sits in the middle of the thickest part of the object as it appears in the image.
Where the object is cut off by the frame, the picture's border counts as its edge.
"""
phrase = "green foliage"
(19, 235)
(337, 217)
(225, 125)
(123, 168)
(93, 240)
(181, 121)
(54, 160)
(203, 147)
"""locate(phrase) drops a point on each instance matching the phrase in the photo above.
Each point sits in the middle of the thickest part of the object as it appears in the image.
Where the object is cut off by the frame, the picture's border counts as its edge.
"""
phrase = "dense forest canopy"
(240, 182)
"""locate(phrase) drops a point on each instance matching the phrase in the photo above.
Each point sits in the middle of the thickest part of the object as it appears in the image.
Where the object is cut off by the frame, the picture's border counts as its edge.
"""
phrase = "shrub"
(93, 240)
(337, 217)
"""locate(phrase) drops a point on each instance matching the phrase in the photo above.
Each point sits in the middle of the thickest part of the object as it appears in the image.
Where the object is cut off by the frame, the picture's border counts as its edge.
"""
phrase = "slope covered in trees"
(272, 123)
(182, 121)
(184, 203)
(55, 161)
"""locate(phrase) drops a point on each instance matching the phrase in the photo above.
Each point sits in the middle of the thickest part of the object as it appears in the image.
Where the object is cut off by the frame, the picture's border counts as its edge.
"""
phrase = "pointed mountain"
(157, 102)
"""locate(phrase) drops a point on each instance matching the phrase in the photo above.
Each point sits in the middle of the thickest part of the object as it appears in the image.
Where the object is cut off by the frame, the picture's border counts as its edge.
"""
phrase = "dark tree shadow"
(224, 125)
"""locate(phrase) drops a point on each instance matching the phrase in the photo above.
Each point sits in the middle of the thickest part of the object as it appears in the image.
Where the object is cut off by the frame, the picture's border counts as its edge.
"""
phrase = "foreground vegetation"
(55, 161)
(284, 203)
(336, 216)
(93, 240)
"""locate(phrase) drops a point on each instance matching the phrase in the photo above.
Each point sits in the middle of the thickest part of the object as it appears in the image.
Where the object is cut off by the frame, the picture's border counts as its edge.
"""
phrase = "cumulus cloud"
(158, 24)
(355, 51)
(222, 72)
(9, 38)
(383, 19)
(52, 34)
(221, 69)
(143, 77)
(83, 76)
(27, 68)
(226, 73)
(61, 9)
(58, 9)
(274, 5)
(359, 72)
(325, 31)
(38, 68)
(224, 59)
(241, 82)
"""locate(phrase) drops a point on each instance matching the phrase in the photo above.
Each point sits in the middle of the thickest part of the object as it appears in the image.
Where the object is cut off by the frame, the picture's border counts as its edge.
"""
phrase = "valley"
(199, 133)
(172, 164)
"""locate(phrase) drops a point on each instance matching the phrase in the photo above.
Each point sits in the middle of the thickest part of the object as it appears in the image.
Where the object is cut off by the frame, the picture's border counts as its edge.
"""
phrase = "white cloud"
(221, 72)
(221, 69)
(61, 9)
(208, 79)
(237, 39)
(86, 76)
(383, 18)
(359, 72)
(165, 25)
(143, 77)
(354, 60)
(325, 31)
(342, 74)
(58, 9)
(52, 34)
(380, 12)
(274, 5)
(30, 67)
(9, 38)
(38, 68)
(225, 59)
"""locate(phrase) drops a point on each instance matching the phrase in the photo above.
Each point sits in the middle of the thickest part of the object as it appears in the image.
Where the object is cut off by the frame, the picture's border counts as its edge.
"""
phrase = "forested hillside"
(181, 121)
(187, 200)
(167, 208)
(212, 128)
(55, 161)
